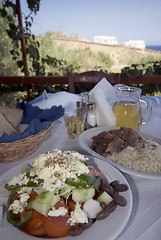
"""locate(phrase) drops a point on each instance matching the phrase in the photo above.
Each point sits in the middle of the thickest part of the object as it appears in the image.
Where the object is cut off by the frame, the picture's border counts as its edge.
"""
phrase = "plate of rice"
(130, 151)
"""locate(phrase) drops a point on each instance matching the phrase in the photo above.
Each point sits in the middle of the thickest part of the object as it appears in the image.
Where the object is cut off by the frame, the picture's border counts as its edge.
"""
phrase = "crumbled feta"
(24, 197)
(78, 215)
(19, 205)
(61, 211)
(33, 172)
(55, 167)
(16, 207)
(38, 190)
(25, 190)
(21, 179)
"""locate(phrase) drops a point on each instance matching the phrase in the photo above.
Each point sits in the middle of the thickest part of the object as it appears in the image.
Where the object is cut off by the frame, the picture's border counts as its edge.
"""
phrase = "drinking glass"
(75, 124)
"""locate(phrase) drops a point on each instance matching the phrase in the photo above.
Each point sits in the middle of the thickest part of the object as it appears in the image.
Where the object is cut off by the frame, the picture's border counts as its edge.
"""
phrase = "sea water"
(154, 47)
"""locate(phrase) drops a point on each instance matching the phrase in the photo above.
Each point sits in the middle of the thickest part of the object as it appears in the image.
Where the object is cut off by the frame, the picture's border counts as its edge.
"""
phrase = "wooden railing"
(34, 80)
(145, 80)
(26, 80)
(60, 80)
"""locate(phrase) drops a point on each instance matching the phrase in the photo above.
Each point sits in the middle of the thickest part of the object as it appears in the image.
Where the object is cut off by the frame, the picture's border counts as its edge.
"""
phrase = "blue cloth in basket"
(36, 118)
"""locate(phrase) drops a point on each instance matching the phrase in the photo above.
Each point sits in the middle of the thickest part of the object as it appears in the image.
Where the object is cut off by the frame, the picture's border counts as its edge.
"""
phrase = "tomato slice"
(35, 226)
(57, 226)
(40, 225)
(94, 173)
(33, 195)
(71, 204)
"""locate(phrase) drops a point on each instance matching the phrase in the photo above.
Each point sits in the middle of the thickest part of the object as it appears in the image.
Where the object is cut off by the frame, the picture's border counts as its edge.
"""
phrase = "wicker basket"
(17, 150)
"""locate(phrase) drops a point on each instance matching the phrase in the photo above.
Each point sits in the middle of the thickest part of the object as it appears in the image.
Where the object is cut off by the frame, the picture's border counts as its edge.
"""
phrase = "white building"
(105, 40)
(135, 44)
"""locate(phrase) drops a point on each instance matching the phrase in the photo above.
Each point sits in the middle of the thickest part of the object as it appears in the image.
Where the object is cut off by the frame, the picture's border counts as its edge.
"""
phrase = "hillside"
(121, 55)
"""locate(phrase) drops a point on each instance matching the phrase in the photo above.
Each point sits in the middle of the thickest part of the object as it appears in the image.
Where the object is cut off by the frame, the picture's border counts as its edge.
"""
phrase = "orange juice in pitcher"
(127, 107)
(128, 114)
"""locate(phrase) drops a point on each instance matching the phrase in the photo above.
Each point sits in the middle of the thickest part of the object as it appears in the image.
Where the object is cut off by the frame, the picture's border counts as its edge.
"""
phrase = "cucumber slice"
(29, 205)
(82, 194)
(65, 191)
(44, 202)
(105, 197)
(56, 198)
(26, 168)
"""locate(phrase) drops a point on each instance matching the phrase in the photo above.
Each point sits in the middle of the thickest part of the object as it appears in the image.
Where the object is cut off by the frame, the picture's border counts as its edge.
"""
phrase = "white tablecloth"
(145, 220)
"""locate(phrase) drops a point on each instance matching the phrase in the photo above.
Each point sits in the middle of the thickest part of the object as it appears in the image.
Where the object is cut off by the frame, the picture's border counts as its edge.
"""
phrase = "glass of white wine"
(75, 124)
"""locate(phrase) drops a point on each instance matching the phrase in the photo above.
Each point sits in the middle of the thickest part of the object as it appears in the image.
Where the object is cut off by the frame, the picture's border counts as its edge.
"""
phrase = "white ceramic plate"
(107, 229)
(85, 140)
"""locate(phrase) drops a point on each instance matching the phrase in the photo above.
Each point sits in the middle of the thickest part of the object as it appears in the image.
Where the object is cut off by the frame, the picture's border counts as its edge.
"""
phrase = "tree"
(7, 65)
(36, 63)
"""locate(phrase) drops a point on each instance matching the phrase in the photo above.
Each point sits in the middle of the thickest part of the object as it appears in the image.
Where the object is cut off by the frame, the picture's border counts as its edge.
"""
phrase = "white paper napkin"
(100, 95)
(107, 89)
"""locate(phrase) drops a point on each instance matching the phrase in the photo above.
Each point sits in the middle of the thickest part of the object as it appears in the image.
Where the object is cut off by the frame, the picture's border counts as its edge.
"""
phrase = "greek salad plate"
(107, 229)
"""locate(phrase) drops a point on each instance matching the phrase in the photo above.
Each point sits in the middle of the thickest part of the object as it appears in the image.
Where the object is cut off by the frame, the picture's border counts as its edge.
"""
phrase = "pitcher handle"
(148, 104)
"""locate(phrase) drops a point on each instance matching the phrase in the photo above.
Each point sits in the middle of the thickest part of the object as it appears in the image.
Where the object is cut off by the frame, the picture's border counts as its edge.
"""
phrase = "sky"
(124, 19)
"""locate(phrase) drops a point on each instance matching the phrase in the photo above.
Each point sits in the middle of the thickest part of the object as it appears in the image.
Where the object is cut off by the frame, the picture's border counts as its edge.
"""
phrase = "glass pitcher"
(127, 107)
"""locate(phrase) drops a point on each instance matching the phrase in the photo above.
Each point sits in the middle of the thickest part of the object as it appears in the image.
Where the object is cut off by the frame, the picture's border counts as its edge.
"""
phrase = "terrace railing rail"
(27, 81)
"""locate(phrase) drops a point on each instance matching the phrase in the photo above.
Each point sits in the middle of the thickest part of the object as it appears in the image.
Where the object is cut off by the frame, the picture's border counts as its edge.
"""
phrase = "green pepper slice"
(11, 187)
(75, 182)
(12, 218)
(35, 184)
(29, 184)
(85, 162)
(92, 181)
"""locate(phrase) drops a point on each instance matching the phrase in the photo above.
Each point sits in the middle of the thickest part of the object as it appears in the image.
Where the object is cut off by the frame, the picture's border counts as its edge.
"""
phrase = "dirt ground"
(121, 55)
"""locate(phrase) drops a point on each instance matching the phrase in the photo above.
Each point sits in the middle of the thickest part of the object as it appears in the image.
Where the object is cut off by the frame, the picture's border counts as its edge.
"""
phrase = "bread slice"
(13, 115)
(5, 126)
